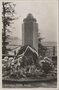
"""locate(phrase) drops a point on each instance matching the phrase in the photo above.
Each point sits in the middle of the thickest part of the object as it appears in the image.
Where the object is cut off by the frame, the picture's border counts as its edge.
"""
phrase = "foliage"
(22, 67)
(47, 65)
(7, 18)
(41, 49)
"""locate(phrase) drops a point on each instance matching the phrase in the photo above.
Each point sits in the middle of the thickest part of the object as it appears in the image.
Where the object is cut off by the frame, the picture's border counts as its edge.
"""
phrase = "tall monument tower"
(30, 32)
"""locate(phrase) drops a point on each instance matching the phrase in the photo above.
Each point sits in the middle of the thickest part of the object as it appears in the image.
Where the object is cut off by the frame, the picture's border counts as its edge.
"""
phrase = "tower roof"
(29, 18)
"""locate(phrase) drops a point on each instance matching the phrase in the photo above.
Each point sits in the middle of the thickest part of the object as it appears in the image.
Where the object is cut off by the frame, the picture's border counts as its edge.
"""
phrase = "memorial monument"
(30, 32)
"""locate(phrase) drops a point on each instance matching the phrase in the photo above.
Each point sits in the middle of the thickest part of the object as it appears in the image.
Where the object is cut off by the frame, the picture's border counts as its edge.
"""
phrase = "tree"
(7, 18)
(41, 49)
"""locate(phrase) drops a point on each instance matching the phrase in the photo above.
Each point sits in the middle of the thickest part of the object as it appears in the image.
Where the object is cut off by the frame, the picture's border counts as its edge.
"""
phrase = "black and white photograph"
(29, 43)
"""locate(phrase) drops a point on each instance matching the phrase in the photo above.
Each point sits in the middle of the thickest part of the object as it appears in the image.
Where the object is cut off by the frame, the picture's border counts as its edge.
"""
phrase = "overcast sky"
(45, 11)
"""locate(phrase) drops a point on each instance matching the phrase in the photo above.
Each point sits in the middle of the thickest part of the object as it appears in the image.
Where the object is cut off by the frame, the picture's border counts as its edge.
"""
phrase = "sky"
(45, 11)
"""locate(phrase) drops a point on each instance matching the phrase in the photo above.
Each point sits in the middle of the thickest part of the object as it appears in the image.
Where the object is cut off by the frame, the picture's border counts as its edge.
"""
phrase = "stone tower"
(30, 32)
